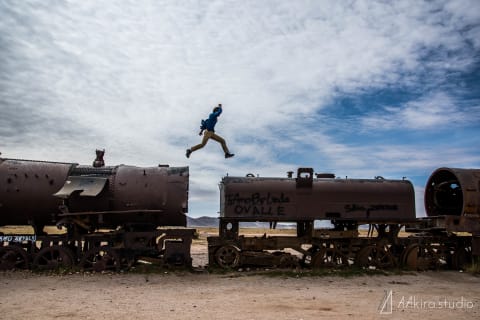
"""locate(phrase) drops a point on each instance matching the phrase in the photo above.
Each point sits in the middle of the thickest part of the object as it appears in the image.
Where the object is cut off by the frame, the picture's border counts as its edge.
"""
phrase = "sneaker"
(229, 155)
(189, 152)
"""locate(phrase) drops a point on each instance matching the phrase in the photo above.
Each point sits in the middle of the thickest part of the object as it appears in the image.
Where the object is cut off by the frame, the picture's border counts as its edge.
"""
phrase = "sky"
(355, 88)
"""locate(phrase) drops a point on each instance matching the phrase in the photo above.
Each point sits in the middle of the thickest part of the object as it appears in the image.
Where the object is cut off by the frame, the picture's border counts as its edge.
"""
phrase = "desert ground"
(200, 294)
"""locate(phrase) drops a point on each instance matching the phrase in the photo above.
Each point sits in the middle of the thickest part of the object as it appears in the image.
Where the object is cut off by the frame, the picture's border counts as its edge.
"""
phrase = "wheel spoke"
(13, 257)
(329, 258)
(101, 259)
(375, 256)
(54, 257)
(228, 257)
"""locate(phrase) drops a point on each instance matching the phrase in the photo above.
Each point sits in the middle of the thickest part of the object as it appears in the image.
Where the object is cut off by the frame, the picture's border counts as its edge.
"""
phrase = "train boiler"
(128, 196)
(42, 193)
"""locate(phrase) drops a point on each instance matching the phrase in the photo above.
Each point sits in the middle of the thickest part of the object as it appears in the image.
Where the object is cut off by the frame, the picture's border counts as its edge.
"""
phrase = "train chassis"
(426, 246)
(100, 251)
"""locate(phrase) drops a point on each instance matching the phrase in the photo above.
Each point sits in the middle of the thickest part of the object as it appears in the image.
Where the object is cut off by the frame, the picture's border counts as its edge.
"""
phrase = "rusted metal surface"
(153, 195)
(130, 201)
(309, 198)
(99, 162)
(13, 257)
(27, 188)
(37, 192)
(453, 191)
(454, 194)
(101, 258)
(476, 245)
(385, 205)
(86, 186)
(54, 257)
(162, 188)
(470, 223)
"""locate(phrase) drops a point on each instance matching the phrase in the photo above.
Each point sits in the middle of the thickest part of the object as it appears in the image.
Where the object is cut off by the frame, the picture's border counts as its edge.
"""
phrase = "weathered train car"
(452, 200)
(306, 198)
(455, 192)
(117, 208)
(384, 204)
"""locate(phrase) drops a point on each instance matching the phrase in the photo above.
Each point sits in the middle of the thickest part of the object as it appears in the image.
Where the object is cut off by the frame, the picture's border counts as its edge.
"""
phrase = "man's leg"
(207, 135)
(223, 143)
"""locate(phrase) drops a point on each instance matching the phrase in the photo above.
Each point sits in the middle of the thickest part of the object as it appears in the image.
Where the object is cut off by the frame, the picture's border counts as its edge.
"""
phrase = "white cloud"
(137, 79)
(430, 112)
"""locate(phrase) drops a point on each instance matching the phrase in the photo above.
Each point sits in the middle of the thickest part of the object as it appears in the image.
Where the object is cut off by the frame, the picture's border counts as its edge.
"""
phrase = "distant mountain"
(202, 222)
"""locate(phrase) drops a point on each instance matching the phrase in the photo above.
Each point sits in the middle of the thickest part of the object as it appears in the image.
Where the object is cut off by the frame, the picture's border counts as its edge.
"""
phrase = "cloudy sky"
(357, 88)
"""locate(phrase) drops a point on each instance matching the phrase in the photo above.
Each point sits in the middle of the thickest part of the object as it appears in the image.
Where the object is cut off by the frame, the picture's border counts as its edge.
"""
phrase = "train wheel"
(307, 258)
(13, 257)
(54, 257)
(410, 257)
(423, 257)
(228, 257)
(461, 258)
(375, 256)
(329, 258)
(101, 259)
(415, 257)
(287, 261)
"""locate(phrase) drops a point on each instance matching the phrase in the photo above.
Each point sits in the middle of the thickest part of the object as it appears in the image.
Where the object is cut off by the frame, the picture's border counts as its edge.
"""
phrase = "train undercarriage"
(420, 245)
(98, 251)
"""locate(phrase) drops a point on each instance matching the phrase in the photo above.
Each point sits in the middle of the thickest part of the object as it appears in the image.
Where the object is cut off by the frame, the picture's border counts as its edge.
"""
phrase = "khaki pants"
(211, 135)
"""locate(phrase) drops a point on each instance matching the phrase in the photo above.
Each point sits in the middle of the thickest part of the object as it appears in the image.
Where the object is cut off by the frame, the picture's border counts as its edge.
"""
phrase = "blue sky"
(357, 88)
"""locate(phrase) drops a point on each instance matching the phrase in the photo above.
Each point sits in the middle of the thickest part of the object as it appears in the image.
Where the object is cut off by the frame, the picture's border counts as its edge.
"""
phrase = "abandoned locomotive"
(111, 214)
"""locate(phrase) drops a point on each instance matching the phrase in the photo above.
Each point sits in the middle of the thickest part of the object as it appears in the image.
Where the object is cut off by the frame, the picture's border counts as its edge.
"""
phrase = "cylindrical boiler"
(453, 192)
(27, 188)
(42, 193)
(307, 198)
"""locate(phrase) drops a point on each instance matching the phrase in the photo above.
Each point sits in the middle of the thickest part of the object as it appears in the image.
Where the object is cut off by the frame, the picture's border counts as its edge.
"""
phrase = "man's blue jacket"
(212, 120)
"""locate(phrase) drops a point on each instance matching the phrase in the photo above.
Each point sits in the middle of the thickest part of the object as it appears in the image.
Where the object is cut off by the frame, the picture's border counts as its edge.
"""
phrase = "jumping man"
(209, 127)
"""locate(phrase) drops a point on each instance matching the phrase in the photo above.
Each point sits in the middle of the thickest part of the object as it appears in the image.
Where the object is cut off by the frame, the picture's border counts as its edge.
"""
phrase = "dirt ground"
(239, 295)
(430, 295)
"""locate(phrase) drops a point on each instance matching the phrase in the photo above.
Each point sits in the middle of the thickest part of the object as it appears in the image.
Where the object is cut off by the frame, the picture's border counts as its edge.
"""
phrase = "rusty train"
(386, 206)
(112, 217)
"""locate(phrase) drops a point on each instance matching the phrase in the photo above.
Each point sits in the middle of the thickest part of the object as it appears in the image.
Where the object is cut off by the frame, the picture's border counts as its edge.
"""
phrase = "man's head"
(217, 108)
